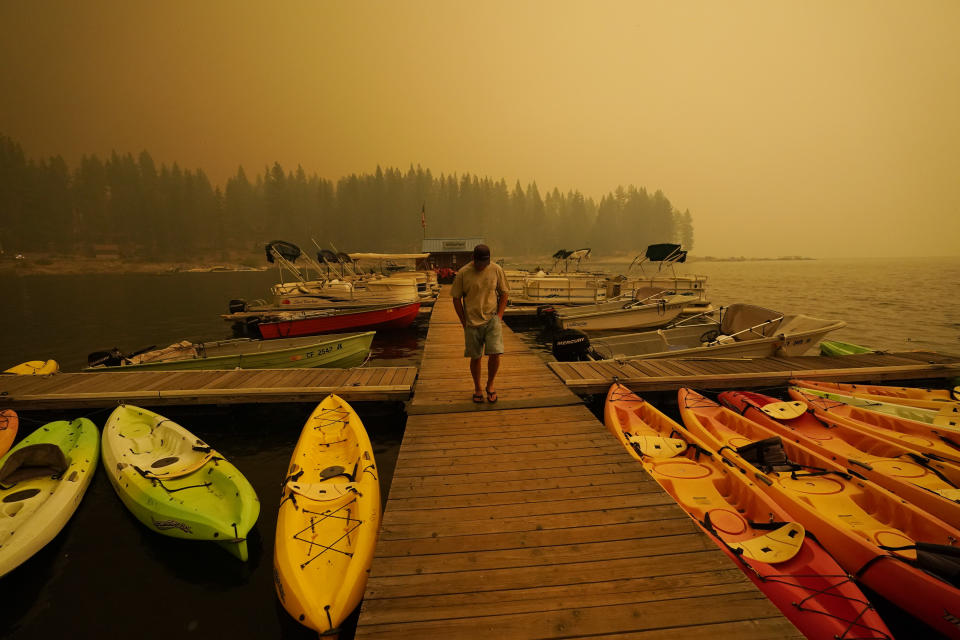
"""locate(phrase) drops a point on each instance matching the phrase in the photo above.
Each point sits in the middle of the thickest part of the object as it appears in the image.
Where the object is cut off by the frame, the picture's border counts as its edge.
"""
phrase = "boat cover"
(33, 461)
(739, 317)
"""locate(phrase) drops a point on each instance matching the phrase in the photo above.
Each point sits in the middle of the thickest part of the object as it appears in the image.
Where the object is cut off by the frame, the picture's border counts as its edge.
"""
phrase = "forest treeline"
(169, 212)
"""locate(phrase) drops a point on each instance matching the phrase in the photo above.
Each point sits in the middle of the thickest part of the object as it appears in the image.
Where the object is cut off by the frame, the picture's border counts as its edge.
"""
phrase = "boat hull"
(9, 423)
(37, 508)
(328, 520)
(349, 350)
(647, 317)
(395, 317)
(151, 461)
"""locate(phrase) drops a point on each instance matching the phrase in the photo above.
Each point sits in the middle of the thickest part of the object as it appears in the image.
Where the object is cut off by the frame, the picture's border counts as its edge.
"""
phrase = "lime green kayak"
(176, 484)
(330, 351)
(837, 348)
(42, 480)
(899, 410)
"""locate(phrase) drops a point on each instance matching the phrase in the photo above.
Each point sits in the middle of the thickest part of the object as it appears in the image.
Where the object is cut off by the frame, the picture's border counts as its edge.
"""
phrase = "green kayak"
(837, 348)
(42, 480)
(889, 408)
(341, 351)
(176, 484)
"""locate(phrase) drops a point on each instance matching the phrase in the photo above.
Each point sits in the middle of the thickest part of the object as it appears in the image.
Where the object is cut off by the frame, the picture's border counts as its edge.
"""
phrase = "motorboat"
(654, 310)
(737, 331)
(287, 324)
(339, 351)
(666, 256)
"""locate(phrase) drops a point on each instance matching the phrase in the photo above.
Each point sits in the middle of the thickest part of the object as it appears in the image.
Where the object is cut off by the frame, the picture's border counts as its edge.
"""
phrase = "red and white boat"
(306, 323)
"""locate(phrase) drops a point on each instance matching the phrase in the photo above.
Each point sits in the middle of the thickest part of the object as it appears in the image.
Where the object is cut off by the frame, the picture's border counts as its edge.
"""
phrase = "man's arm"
(502, 290)
(456, 292)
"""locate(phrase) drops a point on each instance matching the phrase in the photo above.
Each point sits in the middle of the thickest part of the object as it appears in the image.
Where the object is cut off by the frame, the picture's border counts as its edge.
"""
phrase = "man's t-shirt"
(479, 291)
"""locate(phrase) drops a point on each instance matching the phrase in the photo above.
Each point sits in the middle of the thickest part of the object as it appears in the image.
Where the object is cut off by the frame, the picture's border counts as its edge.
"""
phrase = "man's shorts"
(485, 339)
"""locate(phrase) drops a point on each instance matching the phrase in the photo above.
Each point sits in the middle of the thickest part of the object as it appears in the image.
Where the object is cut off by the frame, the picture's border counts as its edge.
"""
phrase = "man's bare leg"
(493, 365)
(475, 372)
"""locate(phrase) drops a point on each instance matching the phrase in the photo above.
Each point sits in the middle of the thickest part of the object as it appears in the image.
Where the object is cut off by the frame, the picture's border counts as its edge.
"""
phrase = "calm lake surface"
(107, 575)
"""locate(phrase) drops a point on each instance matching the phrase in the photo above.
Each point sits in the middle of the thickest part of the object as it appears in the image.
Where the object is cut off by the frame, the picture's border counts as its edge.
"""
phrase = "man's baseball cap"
(481, 254)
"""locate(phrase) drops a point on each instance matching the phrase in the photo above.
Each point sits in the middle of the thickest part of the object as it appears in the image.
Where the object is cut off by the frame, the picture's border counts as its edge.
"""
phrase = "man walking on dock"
(480, 297)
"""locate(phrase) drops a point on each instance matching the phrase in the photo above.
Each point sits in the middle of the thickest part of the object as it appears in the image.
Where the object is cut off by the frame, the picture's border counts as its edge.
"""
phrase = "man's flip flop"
(478, 398)
(491, 396)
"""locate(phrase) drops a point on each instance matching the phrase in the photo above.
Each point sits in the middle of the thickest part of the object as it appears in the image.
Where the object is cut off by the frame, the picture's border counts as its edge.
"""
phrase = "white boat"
(655, 310)
(541, 288)
(667, 256)
(742, 331)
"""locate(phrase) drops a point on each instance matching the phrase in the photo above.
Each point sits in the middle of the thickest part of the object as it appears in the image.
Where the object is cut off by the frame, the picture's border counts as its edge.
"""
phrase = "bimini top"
(286, 250)
(576, 254)
(666, 252)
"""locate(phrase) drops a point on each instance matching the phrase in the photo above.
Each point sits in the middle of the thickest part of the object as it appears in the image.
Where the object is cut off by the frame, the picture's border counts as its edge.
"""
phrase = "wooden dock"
(728, 373)
(527, 519)
(237, 386)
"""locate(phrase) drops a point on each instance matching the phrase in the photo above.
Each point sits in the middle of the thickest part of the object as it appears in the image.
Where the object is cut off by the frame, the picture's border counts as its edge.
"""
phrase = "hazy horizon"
(815, 129)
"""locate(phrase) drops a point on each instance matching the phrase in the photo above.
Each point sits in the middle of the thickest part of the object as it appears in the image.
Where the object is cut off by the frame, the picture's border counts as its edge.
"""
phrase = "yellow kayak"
(35, 368)
(329, 519)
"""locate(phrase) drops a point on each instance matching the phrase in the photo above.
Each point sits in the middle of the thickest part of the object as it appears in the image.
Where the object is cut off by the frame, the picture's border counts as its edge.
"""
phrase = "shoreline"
(60, 265)
(74, 265)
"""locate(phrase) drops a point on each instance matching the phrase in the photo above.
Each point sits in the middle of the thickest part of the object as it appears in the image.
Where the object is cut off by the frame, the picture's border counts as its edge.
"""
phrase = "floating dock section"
(728, 373)
(237, 386)
(527, 519)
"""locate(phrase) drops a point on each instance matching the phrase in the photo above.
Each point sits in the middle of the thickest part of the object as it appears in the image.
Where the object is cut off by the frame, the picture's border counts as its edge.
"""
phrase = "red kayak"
(307, 323)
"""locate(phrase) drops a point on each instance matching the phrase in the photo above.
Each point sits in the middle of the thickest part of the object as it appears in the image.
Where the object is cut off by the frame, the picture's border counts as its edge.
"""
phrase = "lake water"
(107, 575)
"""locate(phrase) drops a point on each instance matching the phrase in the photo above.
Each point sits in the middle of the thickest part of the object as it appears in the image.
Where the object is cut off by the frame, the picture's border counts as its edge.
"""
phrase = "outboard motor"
(238, 305)
(571, 345)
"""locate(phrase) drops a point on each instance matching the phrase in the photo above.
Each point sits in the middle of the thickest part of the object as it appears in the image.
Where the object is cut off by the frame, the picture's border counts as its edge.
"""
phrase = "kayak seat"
(657, 446)
(171, 466)
(326, 491)
(773, 547)
(33, 461)
(141, 445)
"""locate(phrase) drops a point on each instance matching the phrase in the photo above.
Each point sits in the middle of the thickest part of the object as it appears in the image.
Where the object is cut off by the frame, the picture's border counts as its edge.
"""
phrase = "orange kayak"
(910, 396)
(791, 569)
(896, 549)
(892, 466)
(8, 429)
(936, 442)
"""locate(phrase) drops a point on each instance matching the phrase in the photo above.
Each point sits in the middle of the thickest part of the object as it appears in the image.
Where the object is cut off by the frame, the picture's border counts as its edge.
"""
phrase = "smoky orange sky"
(817, 128)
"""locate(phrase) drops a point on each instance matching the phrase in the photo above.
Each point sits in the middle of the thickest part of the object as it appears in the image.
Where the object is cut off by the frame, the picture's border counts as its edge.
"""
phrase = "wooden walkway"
(527, 519)
(156, 388)
(702, 373)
